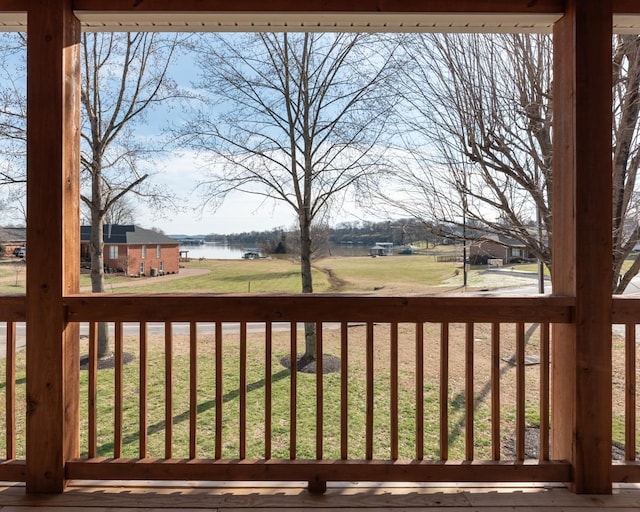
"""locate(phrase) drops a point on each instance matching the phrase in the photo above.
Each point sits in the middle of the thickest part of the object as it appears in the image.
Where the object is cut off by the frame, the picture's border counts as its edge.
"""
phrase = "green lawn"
(232, 276)
(391, 273)
(305, 397)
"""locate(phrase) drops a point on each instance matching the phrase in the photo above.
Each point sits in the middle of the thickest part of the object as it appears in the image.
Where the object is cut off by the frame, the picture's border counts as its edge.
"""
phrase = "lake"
(213, 251)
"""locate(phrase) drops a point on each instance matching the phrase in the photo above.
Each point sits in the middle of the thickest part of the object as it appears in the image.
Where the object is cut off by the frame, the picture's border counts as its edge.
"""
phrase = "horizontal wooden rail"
(316, 308)
(13, 308)
(326, 470)
(13, 471)
(625, 472)
(625, 310)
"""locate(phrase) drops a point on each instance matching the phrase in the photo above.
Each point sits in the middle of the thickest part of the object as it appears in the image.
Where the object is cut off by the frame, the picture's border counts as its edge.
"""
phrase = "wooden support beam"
(362, 6)
(53, 150)
(581, 419)
(13, 5)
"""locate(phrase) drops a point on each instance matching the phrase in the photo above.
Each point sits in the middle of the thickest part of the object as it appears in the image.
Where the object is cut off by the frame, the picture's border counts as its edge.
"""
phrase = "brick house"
(495, 246)
(134, 250)
(12, 238)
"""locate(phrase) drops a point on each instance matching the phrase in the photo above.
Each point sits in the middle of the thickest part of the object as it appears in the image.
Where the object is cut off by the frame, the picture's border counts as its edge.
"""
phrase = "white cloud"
(180, 173)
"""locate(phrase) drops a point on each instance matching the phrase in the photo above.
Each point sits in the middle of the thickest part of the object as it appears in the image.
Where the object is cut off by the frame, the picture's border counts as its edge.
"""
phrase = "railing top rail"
(13, 308)
(316, 308)
(625, 310)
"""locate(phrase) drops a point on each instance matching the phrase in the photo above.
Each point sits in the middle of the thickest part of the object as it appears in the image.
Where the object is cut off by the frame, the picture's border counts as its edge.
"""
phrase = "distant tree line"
(366, 233)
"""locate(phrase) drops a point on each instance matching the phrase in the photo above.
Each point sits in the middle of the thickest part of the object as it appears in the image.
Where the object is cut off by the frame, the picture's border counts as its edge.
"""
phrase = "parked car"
(20, 252)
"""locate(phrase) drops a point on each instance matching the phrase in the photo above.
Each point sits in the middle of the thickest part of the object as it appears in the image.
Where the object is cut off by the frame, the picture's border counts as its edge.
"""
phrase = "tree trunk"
(307, 286)
(96, 244)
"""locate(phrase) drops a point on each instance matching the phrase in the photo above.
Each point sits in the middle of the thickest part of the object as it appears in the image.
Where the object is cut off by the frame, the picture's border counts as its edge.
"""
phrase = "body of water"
(212, 251)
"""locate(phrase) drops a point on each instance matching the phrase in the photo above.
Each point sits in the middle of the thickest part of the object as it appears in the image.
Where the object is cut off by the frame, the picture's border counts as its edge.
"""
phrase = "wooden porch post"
(53, 151)
(582, 220)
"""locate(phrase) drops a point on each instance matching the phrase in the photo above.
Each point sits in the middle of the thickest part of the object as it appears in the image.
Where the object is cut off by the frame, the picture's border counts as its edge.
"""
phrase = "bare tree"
(626, 157)
(479, 128)
(296, 118)
(13, 140)
(124, 76)
(478, 131)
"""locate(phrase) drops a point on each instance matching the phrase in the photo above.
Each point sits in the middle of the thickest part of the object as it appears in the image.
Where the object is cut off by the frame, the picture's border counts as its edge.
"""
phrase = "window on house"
(113, 252)
(161, 265)
(158, 251)
(144, 251)
(142, 267)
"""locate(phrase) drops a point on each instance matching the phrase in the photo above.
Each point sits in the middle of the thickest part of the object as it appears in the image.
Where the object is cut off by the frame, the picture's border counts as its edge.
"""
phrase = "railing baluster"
(142, 418)
(344, 390)
(92, 369)
(419, 391)
(119, 392)
(393, 428)
(630, 393)
(219, 397)
(544, 391)
(168, 390)
(11, 390)
(369, 394)
(469, 392)
(495, 391)
(268, 390)
(293, 391)
(520, 392)
(242, 387)
(193, 389)
(319, 393)
(444, 391)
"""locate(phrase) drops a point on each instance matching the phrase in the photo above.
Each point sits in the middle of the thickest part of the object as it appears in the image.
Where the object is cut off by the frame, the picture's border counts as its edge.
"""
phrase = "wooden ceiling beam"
(362, 6)
(13, 5)
(621, 7)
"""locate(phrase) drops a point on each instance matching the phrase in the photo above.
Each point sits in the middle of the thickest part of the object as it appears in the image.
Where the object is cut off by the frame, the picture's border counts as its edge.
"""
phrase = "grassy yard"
(306, 415)
(228, 276)
(394, 274)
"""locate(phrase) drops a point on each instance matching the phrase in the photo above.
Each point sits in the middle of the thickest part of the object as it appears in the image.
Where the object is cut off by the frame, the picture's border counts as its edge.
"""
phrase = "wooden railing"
(428, 389)
(626, 320)
(12, 466)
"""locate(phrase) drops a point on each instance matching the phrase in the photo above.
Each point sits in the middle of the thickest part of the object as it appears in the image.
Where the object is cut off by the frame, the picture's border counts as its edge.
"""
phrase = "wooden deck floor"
(114, 497)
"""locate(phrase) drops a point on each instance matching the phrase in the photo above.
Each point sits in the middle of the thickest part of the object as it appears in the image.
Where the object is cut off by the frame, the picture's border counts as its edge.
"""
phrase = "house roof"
(127, 234)
(13, 234)
(498, 238)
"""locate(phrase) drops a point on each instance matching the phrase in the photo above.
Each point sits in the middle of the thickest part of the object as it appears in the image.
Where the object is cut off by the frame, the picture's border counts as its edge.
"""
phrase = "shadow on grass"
(458, 402)
(21, 380)
(107, 448)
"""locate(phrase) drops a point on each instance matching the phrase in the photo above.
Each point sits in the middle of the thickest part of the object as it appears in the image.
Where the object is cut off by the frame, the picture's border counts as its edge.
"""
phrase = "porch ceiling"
(319, 21)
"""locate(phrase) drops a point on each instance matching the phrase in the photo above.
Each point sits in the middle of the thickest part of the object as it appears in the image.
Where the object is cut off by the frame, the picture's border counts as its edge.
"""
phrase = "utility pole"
(540, 263)
(464, 230)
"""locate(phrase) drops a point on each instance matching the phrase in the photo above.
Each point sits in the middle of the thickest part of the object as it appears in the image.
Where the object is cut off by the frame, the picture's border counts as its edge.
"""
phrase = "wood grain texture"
(465, 6)
(329, 471)
(316, 308)
(294, 498)
(13, 309)
(53, 168)
(583, 217)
